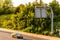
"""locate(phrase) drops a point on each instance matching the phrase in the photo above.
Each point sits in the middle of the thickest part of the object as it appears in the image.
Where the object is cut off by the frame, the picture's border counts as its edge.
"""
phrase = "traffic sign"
(40, 12)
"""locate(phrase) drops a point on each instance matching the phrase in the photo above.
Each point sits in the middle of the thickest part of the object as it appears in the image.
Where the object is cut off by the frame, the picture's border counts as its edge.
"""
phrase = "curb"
(30, 34)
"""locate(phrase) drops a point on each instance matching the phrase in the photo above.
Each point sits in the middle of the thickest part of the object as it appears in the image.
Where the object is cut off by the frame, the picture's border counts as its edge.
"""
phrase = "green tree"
(56, 7)
(6, 7)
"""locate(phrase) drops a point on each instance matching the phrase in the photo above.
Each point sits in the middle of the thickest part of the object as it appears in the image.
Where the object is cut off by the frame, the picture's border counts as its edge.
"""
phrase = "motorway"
(7, 36)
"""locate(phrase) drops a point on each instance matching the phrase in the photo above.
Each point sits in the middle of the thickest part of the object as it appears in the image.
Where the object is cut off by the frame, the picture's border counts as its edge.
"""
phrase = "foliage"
(22, 17)
(6, 7)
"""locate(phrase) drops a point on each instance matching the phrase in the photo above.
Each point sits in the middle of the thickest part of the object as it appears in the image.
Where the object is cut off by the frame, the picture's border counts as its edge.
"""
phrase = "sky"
(18, 2)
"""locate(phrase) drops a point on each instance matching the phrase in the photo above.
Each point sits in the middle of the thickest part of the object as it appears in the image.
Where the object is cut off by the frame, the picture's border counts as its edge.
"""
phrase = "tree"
(55, 6)
(6, 7)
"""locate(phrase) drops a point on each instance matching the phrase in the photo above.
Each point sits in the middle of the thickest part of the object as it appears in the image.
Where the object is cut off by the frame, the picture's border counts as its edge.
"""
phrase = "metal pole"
(52, 28)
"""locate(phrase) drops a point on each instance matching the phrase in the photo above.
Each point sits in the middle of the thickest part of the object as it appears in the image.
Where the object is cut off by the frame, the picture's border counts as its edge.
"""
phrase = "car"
(17, 35)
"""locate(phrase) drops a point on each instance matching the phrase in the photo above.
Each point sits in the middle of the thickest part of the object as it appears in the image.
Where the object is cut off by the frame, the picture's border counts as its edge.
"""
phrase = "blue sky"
(17, 2)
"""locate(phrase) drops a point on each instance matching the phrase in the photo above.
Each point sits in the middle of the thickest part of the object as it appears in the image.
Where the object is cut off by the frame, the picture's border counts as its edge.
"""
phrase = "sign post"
(41, 12)
(52, 28)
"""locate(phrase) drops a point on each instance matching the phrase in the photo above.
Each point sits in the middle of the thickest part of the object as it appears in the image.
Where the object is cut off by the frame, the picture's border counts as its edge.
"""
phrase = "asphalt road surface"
(7, 36)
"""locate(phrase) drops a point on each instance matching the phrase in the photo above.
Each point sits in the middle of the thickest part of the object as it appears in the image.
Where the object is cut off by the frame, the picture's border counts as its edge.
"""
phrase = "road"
(7, 36)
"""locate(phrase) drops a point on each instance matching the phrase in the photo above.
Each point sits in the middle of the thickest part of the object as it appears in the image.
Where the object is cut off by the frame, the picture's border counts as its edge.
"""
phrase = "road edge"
(30, 34)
